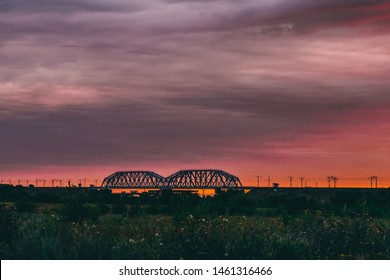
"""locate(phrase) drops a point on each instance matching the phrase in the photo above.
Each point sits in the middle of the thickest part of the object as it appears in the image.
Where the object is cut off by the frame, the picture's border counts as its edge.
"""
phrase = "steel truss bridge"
(183, 179)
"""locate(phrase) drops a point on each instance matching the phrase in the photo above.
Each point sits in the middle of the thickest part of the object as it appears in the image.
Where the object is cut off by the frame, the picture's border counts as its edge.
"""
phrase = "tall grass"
(309, 236)
(233, 225)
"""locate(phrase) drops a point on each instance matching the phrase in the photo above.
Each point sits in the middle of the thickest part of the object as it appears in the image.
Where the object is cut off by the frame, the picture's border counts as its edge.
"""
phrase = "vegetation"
(262, 224)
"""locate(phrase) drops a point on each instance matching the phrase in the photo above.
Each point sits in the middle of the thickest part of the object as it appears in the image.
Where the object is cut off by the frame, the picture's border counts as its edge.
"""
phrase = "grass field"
(289, 224)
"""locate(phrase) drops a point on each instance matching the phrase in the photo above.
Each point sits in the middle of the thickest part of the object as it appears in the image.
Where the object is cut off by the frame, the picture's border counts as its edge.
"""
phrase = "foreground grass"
(307, 235)
(263, 224)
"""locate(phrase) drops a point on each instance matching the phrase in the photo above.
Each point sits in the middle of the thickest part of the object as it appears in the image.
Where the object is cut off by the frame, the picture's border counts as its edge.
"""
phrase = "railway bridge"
(183, 179)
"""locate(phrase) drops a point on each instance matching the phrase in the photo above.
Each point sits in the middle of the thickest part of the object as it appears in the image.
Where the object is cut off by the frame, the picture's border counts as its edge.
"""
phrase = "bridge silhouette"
(183, 179)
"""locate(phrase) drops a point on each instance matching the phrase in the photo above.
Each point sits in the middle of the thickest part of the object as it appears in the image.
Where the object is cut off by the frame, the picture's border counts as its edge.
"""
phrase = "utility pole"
(40, 180)
(56, 180)
(329, 179)
(335, 179)
(372, 179)
(82, 182)
(302, 178)
(269, 181)
(291, 179)
(257, 176)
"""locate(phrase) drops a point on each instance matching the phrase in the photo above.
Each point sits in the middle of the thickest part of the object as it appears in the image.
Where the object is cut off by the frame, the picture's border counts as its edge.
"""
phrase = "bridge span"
(183, 179)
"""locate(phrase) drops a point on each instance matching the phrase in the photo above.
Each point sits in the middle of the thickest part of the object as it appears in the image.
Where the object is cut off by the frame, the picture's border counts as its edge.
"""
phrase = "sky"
(272, 87)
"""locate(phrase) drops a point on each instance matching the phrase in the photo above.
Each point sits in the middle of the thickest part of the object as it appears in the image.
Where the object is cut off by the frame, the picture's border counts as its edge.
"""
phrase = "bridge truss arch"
(203, 179)
(133, 179)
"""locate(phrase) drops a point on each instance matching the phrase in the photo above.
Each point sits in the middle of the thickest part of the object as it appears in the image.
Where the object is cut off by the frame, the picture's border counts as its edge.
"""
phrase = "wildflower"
(161, 244)
(190, 217)
(156, 234)
(225, 220)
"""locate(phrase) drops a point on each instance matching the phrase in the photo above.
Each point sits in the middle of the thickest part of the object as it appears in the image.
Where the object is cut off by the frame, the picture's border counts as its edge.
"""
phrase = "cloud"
(70, 6)
(102, 82)
(120, 132)
(181, 128)
(73, 19)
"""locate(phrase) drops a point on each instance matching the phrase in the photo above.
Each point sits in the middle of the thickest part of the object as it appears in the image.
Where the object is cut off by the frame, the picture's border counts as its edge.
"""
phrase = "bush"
(25, 204)
(74, 207)
(119, 208)
(9, 222)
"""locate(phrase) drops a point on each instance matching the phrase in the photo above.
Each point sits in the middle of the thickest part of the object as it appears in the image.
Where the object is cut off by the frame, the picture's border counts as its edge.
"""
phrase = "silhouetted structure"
(133, 179)
(196, 179)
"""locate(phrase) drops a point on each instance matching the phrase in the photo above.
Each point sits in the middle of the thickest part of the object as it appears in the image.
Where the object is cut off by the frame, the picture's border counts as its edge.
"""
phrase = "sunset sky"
(271, 87)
